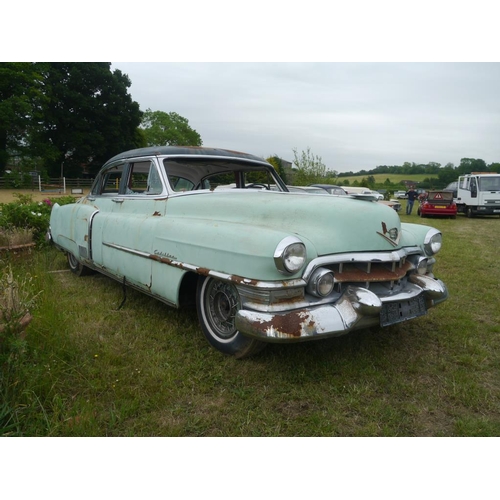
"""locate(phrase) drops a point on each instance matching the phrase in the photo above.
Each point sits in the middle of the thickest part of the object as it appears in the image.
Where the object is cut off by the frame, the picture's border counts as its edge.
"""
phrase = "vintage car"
(370, 196)
(261, 264)
(437, 204)
(331, 189)
(306, 190)
(394, 204)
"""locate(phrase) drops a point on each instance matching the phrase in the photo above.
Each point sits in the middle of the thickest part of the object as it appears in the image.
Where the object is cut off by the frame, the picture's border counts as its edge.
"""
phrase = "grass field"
(91, 368)
(393, 178)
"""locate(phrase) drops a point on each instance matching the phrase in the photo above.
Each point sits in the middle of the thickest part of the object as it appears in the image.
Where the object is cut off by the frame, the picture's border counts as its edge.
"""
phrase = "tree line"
(439, 176)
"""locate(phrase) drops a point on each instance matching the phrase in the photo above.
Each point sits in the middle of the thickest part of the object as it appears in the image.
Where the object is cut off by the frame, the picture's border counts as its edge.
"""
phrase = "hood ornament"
(391, 235)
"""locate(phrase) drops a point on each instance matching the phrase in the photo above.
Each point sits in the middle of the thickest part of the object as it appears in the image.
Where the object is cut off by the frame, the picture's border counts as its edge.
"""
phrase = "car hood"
(328, 223)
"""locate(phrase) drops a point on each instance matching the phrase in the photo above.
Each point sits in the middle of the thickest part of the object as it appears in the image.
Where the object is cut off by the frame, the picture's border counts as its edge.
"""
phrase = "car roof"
(184, 151)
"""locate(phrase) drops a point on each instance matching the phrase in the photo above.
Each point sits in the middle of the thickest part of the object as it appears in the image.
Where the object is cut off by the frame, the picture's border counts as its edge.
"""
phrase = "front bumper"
(357, 308)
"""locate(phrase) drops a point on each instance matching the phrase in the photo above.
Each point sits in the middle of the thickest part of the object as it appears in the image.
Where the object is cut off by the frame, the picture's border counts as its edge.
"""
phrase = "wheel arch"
(187, 289)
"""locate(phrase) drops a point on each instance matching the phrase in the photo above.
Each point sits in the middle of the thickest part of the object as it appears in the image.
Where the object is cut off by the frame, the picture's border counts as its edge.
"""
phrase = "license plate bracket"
(396, 312)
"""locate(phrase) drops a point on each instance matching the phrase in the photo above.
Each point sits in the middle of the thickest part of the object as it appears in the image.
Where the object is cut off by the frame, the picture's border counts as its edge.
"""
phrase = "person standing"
(412, 195)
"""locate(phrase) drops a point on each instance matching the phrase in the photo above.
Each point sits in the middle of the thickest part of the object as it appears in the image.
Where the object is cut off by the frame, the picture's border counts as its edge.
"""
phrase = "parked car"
(394, 204)
(260, 263)
(356, 190)
(438, 204)
(331, 189)
(400, 195)
(378, 195)
(306, 189)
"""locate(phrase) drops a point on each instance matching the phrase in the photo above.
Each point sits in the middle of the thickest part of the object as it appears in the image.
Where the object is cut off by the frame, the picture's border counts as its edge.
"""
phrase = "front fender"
(227, 247)
(70, 226)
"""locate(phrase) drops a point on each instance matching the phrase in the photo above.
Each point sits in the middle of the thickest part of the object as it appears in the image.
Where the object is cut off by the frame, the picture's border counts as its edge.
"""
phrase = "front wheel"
(217, 303)
(76, 267)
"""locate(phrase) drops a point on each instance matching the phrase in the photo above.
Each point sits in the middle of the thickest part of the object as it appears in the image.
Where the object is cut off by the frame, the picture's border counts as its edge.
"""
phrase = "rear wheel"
(76, 267)
(217, 303)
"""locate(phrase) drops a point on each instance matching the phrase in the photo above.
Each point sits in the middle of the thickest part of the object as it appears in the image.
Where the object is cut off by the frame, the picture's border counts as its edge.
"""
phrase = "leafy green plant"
(13, 237)
(27, 214)
(17, 299)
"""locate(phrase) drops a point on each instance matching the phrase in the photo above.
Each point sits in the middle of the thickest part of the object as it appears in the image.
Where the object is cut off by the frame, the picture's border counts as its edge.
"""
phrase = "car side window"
(473, 188)
(108, 182)
(180, 184)
(154, 185)
(137, 180)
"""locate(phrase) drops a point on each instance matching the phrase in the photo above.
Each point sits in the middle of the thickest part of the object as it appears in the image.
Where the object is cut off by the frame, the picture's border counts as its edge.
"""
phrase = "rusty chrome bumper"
(356, 309)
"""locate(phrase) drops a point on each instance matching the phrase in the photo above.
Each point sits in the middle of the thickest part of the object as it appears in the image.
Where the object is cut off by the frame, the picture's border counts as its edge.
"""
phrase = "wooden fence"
(58, 185)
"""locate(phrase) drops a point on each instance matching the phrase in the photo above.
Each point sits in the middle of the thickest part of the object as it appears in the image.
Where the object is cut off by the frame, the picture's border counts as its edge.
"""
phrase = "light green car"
(219, 228)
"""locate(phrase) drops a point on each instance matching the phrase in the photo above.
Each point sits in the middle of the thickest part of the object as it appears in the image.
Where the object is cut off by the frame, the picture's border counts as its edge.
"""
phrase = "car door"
(130, 200)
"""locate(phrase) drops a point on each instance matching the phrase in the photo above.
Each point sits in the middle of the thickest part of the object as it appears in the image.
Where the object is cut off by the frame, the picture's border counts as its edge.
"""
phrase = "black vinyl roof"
(184, 150)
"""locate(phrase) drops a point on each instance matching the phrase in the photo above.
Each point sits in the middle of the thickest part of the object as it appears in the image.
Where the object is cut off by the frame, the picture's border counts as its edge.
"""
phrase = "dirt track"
(8, 195)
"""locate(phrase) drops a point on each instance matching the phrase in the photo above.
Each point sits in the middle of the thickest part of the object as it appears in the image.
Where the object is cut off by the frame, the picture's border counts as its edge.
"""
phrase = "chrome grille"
(381, 272)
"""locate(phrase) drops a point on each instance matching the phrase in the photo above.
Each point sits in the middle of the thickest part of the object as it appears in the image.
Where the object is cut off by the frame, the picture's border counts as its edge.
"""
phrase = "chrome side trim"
(89, 232)
(240, 280)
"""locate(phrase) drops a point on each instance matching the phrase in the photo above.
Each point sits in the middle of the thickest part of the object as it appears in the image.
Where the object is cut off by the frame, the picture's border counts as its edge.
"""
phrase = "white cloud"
(354, 115)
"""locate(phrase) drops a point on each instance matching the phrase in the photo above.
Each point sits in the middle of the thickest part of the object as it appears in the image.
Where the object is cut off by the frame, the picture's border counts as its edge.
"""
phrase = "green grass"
(89, 369)
(393, 178)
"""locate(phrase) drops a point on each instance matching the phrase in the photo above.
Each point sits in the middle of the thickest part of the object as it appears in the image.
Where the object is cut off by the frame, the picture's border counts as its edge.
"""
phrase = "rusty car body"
(262, 264)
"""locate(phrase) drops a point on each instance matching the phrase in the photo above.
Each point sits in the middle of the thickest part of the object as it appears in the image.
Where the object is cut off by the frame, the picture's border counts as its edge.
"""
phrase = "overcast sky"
(353, 115)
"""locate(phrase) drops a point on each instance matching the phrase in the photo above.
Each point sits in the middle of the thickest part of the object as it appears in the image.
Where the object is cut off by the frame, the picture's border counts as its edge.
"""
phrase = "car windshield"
(489, 183)
(188, 174)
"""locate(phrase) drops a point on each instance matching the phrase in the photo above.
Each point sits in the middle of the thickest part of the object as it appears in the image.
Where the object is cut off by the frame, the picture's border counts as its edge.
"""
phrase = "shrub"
(26, 214)
(14, 236)
(17, 298)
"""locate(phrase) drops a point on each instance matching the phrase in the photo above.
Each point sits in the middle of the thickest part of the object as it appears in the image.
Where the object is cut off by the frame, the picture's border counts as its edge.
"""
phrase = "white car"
(378, 195)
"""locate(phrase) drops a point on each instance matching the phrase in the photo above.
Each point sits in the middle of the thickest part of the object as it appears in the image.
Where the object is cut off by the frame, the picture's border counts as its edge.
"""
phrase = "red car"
(438, 203)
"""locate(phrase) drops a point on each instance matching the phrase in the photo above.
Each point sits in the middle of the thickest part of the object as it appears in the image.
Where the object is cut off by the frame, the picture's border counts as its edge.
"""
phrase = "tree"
(447, 174)
(277, 163)
(468, 165)
(20, 102)
(89, 117)
(168, 129)
(310, 168)
(494, 167)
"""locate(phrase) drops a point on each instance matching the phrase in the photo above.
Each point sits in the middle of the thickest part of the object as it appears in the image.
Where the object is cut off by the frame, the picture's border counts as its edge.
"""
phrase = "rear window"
(440, 196)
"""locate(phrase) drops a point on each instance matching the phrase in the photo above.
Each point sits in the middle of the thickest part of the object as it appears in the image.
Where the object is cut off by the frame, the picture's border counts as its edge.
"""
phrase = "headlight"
(321, 283)
(422, 265)
(290, 255)
(433, 241)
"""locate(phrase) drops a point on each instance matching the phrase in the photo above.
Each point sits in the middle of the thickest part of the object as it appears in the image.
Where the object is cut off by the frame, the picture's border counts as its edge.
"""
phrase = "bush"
(26, 214)
(17, 299)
